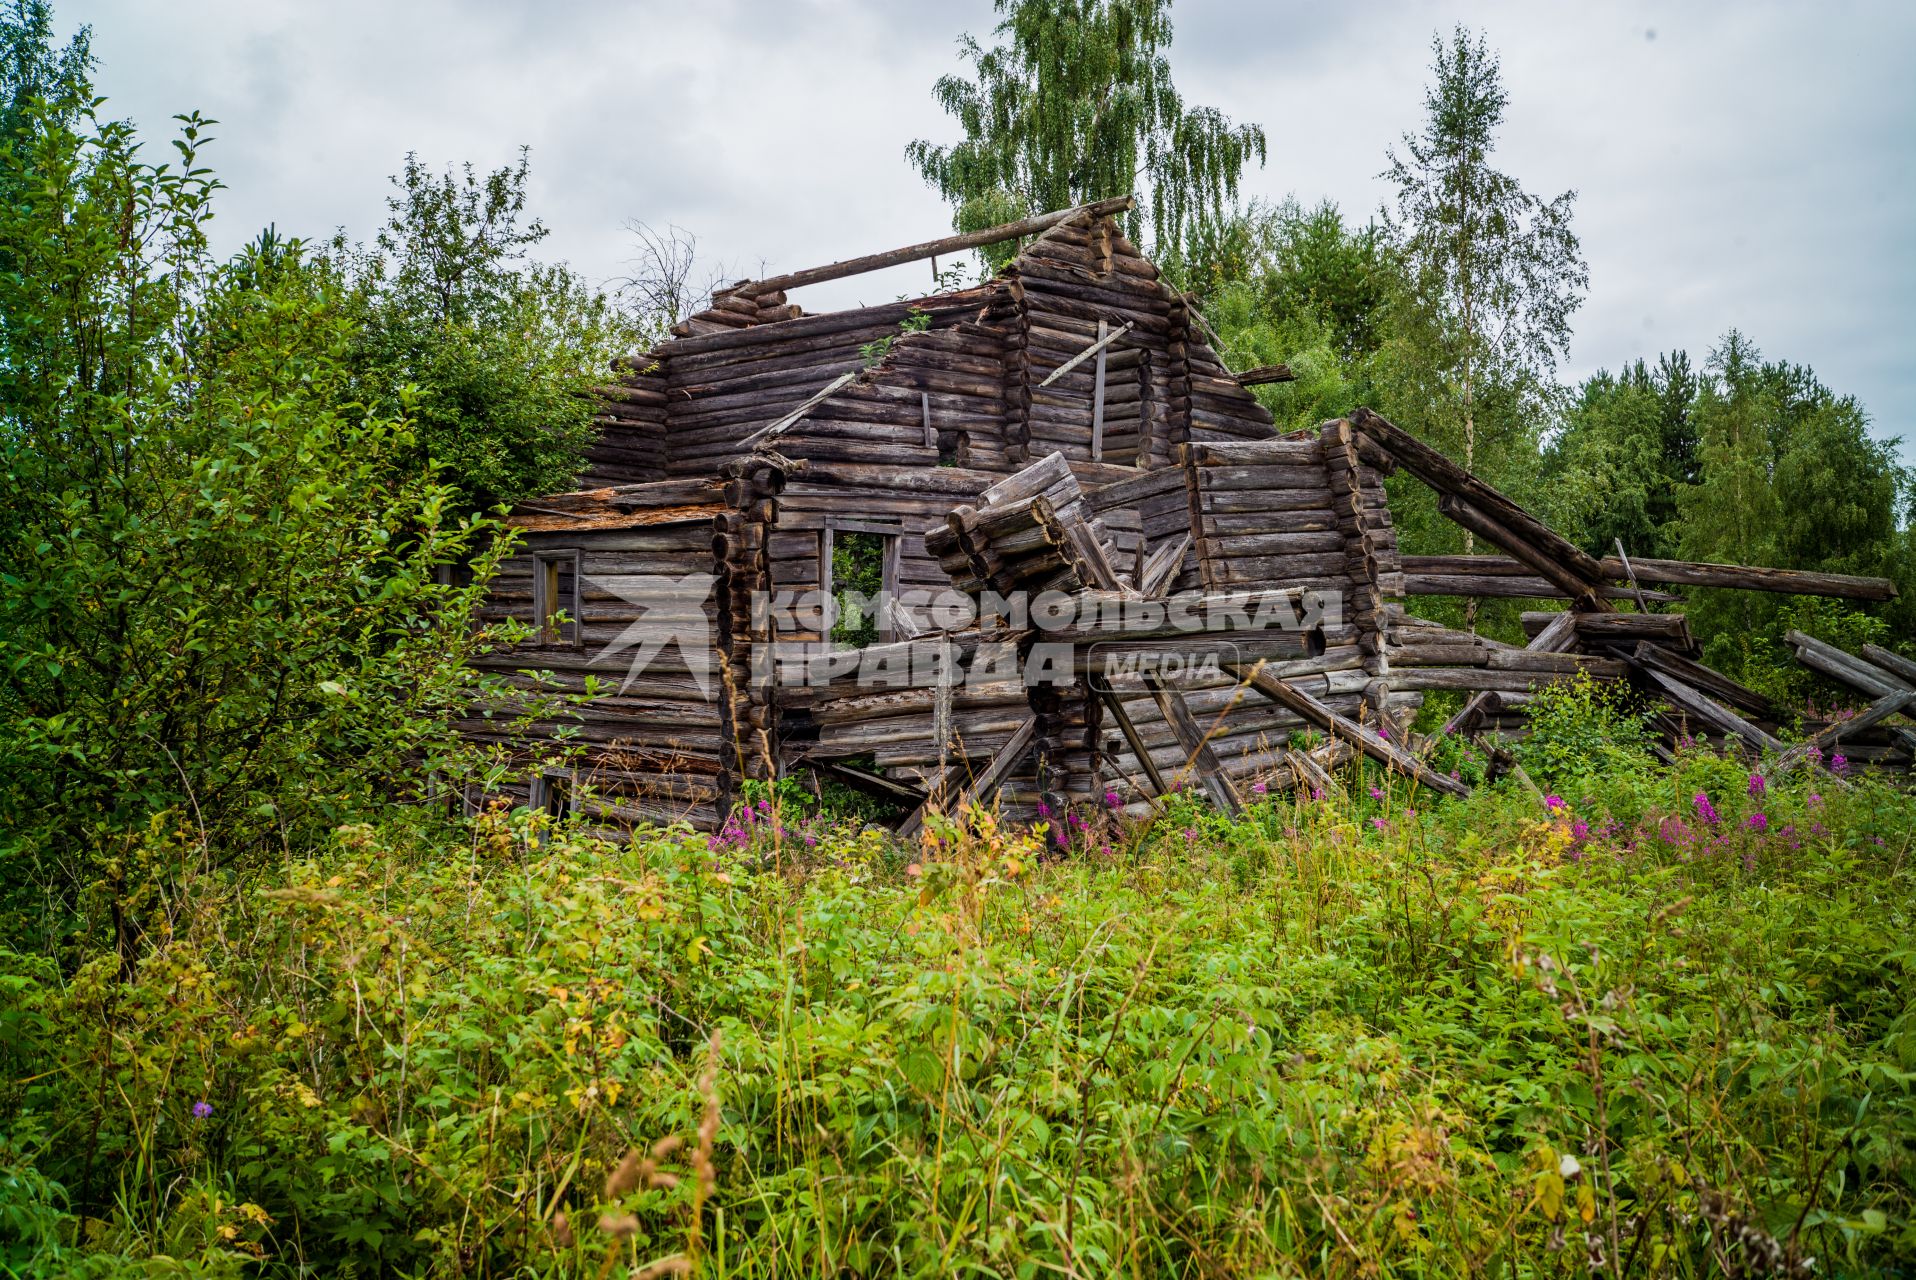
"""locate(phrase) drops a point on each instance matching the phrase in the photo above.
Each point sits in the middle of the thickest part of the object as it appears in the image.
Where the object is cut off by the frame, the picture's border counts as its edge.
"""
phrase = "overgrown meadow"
(1656, 1025)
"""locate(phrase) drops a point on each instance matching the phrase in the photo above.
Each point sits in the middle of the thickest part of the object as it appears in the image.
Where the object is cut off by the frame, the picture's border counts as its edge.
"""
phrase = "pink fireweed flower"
(1383, 731)
(1815, 799)
(1259, 788)
(1190, 834)
(1553, 802)
(1839, 765)
(1044, 810)
(1704, 809)
(1580, 830)
(1380, 824)
(1112, 800)
(1317, 793)
(1757, 822)
(1757, 785)
(1376, 793)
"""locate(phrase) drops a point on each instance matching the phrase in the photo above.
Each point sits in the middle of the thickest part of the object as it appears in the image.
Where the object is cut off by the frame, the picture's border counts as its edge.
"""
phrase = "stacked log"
(741, 537)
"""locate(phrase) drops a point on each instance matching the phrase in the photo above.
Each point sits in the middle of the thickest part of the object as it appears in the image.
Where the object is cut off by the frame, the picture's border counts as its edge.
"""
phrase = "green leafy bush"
(1579, 728)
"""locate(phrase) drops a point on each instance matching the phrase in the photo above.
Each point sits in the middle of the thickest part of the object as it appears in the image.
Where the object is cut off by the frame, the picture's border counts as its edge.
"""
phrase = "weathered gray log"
(1616, 628)
(1685, 573)
(1874, 714)
(1115, 705)
(870, 783)
(1510, 587)
(1558, 637)
(1196, 746)
(1693, 704)
(1265, 373)
(1541, 554)
(1894, 663)
(981, 787)
(1445, 476)
(1831, 661)
(1712, 682)
(930, 248)
(1386, 753)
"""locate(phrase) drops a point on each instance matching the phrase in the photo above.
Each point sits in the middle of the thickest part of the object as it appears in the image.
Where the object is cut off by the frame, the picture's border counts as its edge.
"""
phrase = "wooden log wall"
(651, 746)
(1070, 280)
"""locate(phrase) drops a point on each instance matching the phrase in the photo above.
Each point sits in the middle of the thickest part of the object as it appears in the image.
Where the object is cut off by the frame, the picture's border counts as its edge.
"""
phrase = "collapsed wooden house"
(1063, 432)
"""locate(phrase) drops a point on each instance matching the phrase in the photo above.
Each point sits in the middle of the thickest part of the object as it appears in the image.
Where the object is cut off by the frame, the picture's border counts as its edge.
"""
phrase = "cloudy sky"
(1738, 164)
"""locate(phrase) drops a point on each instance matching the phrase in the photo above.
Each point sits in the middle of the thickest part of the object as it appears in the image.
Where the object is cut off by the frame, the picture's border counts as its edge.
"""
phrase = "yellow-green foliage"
(1364, 1035)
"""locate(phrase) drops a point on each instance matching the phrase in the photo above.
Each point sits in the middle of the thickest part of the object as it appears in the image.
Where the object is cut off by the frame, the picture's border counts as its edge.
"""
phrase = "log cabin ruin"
(1105, 574)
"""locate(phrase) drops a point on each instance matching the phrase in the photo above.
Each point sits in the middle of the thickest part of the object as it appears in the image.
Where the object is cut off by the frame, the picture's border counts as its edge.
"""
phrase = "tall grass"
(1363, 1035)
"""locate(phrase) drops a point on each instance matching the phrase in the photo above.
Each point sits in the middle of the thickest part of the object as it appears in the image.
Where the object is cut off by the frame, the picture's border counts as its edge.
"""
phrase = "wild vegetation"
(267, 1008)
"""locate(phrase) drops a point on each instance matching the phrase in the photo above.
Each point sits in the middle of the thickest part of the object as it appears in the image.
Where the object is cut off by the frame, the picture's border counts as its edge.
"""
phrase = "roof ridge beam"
(930, 248)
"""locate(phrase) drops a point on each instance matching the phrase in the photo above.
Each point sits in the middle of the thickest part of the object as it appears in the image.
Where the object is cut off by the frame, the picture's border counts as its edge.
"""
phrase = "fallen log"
(1390, 756)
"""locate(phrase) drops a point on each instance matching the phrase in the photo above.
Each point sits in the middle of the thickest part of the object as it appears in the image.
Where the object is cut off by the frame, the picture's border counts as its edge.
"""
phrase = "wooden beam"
(1446, 477)
(1865, 677)
(1623, 557)
(1715, 683)
(1097, 397)
(1874, 714)
(1582, 592)
(929, 248)
(1197, 747)
(1385, 753)
(1105, 339)
(1693, 704)
(1560, 636)
(983, 785)
(870, 783)
(1115, 705)
(1681, 573)
(1616, 628)
(767, 434)
(1894, 663)
(1265, 373)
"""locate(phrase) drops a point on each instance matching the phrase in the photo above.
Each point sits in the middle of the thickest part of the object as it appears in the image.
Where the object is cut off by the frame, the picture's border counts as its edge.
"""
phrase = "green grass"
(1359, 1036)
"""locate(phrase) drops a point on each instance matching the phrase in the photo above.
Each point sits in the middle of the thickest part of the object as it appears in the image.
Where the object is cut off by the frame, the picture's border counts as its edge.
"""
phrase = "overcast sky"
(1738, 164)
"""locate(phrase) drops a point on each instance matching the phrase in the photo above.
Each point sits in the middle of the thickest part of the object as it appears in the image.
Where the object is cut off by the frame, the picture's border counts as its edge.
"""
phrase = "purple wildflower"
(1757, 822)
(1380, 824)
(1376, 793)
(1815, 800)
(1580, 830)
(1704, 809)
(1190, 834)
(1455, 776)
(1317, 793)
(1044, 810)
(1112, 800)
(202, 1109)
(1259, 788)
(1383, 730)
(1839, 764)
(1553, 802)
(1757, 785)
